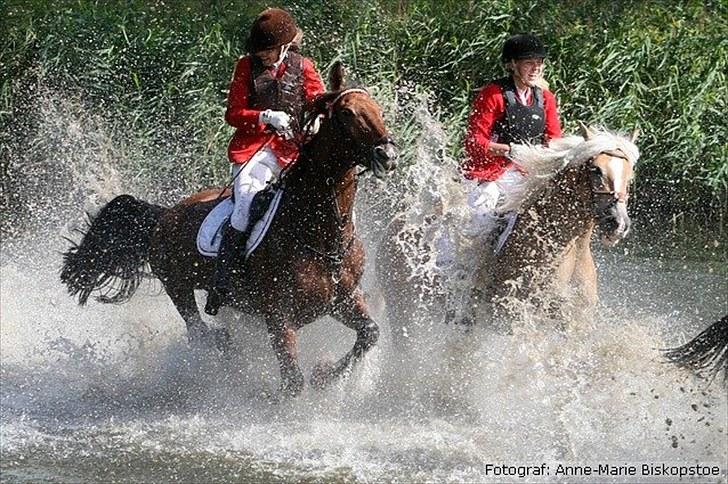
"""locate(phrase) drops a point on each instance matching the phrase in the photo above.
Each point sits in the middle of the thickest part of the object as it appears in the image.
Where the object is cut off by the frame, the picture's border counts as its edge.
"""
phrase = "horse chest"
(320, 279)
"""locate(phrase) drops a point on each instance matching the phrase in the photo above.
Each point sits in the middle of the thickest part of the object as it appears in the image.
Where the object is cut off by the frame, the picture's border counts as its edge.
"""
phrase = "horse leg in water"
(354, 314)
(283, 340)
(576, 278)
(585, 277)
(183, 299)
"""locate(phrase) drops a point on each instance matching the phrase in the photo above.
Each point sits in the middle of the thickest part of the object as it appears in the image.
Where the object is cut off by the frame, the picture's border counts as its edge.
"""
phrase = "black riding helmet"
(523, 46)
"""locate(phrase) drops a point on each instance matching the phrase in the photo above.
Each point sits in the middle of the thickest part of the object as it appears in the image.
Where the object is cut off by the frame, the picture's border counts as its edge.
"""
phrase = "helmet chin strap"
(519, 81)
(281, 56)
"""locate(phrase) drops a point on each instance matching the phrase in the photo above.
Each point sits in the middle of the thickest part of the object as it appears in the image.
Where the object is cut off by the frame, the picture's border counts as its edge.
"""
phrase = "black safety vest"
(284, 94)
(520, 124)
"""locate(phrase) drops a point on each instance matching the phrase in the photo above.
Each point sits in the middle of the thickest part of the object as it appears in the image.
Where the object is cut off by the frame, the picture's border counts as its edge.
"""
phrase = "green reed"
(155, 75)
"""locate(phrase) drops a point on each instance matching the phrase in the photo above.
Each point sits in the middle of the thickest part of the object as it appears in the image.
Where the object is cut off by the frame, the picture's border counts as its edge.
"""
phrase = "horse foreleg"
(353, 313)
(584, 278)
(562, 299)
(565, 269)
(284, 342)
(198, 332)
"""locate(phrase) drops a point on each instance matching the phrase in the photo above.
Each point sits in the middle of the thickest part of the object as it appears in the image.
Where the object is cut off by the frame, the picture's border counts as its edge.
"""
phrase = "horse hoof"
(212, 306)
(215, 300)
(207, 339)
(322, 375)
(292, 387)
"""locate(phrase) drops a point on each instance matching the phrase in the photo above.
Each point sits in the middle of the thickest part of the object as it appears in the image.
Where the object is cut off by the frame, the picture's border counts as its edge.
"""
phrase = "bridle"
(381, 141)
(335, 257)
(597, 180)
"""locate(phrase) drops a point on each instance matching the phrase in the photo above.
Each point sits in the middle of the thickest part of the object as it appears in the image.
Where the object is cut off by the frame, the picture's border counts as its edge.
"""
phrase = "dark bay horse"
(573, 187)
(308, 266)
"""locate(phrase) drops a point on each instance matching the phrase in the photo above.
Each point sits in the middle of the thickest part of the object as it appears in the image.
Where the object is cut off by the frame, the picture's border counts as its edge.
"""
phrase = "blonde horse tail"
(113, 253)
(707, 351)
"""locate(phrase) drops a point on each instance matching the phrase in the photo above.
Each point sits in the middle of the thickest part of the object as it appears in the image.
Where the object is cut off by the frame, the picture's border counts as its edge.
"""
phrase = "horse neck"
(322, 193)
(564, 212)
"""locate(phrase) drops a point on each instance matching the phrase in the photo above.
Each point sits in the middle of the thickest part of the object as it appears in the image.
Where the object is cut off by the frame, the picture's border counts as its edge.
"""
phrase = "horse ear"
(336, 76)
(586, 132)
(635, 133)
(320, 104)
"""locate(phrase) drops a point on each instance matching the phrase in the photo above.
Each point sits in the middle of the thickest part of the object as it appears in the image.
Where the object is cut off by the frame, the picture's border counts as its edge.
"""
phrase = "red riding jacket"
(489, 107)
(250, 135)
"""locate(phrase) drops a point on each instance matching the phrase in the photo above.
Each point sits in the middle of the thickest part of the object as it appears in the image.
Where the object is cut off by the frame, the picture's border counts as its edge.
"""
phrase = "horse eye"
(347, 112)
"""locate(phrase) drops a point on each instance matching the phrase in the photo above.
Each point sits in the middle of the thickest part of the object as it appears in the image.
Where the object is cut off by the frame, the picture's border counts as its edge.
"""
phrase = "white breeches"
(251, 178)
(486, 199)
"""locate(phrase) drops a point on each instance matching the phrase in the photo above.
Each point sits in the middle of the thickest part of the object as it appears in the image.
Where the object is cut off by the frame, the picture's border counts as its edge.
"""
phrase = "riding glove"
(280, 120)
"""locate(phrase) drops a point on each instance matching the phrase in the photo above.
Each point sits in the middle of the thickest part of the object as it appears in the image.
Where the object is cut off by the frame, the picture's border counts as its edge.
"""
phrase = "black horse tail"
(708, 350)
(113, 253)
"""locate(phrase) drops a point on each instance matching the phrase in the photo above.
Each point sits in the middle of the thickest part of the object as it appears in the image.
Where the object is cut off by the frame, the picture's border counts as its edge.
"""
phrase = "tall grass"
(155, 75)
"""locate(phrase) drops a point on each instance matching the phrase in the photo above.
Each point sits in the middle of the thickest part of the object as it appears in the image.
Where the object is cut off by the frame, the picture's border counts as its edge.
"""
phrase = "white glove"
(280, 120)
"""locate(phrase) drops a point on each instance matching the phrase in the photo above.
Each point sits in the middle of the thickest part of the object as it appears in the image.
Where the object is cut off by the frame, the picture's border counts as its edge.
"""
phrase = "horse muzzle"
(614, 225)
(384, 157)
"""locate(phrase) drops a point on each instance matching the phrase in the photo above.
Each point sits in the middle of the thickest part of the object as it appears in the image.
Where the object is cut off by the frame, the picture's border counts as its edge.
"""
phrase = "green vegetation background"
(152, 76)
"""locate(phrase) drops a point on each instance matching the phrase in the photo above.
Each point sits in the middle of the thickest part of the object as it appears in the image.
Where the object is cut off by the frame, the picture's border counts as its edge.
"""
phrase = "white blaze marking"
(616, 167)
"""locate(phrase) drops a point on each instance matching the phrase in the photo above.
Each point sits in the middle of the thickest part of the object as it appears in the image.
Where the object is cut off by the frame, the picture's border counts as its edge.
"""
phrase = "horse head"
(355, 121)
(610, 173)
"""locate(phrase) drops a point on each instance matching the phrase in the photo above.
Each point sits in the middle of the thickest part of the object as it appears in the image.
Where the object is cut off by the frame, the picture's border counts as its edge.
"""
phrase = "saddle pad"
(209, 236)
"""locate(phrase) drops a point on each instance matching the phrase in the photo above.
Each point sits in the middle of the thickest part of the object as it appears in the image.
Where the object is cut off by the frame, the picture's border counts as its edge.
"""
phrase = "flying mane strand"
(543, 162)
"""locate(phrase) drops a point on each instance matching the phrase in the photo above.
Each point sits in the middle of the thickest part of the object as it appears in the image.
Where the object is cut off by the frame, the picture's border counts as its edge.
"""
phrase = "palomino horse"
(707, 352)
(308, 266)
(575, 185)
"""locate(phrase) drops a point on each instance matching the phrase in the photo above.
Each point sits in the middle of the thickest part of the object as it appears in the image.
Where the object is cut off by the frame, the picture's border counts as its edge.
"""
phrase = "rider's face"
(528, 71)
(268, 56)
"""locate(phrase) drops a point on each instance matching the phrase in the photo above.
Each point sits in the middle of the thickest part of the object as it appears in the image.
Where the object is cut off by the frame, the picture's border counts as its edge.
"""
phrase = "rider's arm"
(488, 107)
(312, 84)
(238, 113)
(499, 149)
(552, 129)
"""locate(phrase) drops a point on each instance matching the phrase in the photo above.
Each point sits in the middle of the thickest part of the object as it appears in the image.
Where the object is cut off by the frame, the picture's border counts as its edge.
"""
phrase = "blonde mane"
(544, 162)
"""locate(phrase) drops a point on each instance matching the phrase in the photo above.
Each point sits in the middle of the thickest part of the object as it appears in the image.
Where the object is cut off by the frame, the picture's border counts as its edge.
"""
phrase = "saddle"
(262, 211)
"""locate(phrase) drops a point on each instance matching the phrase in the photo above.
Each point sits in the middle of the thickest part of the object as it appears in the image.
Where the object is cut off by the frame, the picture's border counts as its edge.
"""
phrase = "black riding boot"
(221, 288)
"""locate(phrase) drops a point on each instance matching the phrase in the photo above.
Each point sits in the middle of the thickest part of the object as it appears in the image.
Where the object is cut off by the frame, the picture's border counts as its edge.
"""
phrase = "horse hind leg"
(284, 342)
(353, 314)
(198, 333)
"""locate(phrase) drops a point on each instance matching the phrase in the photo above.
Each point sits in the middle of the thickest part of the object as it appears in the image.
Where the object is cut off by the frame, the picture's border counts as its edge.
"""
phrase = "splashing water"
(115, 393)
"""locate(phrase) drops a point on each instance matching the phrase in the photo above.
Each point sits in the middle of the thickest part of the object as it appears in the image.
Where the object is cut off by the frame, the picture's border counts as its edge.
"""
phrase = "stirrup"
(506, 232)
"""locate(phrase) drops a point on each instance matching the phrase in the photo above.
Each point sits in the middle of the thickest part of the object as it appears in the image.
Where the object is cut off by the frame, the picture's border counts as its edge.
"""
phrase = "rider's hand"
(280, 120)
(516, 151)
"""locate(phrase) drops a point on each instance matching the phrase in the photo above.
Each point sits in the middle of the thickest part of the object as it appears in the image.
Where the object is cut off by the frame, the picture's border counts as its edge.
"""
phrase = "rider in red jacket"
(517, 109)
(251, 135)
(268, 93)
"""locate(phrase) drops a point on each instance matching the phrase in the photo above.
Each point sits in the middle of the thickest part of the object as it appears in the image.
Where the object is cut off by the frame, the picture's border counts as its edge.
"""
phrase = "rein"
(336, 257)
